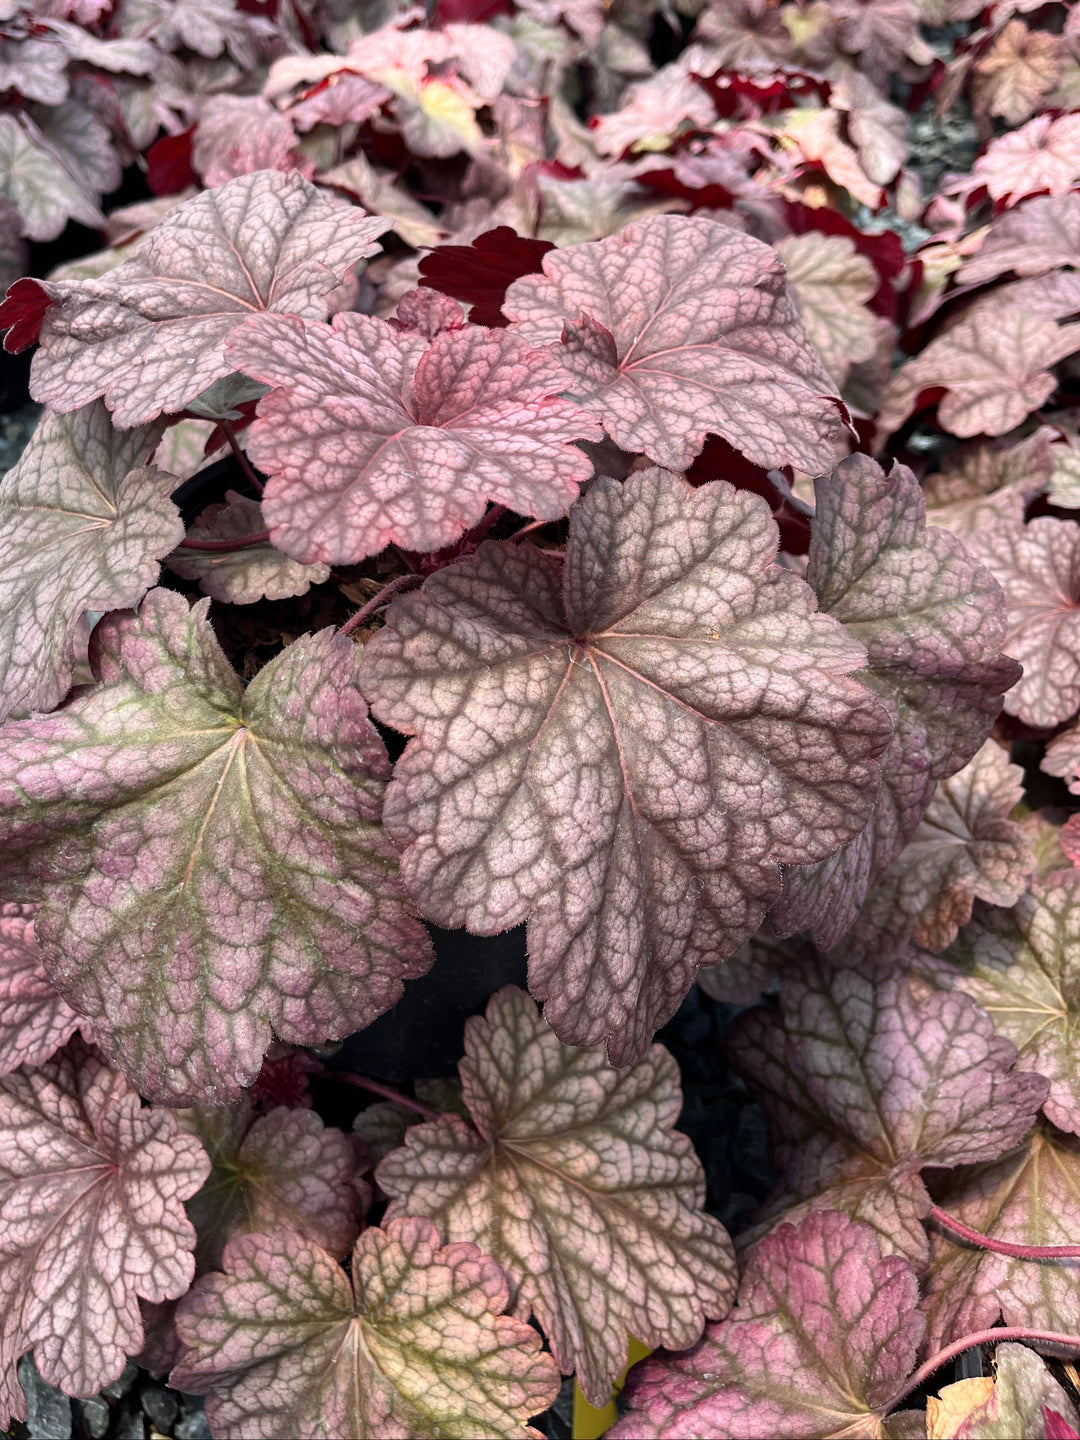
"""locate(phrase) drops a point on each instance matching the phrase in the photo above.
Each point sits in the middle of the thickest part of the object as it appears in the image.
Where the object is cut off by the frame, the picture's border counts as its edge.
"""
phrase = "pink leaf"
(985, 485)
(932, 622)
(415, 1345)
(149, 335)
(374, 436)
(91, 1186)
(1038, 567)
(210, 859)
(281, 1171)
(674, 367)
(866, 1082)
(825, 1331)
(34, 1020)
(575, 1181)
(1044, 154)
(1038, 236)
(239, 134)
(629, 745)
(84, 523)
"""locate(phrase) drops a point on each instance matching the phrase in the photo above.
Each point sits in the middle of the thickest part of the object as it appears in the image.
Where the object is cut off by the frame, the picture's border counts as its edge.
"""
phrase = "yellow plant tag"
(589, 1422)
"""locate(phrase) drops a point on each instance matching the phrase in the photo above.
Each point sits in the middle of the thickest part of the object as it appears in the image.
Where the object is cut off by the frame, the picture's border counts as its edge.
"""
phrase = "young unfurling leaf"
(149, 336)
(374, 435)
(867, 1083)
(677, 327)
(210, 860)
(825, 1331)
(414, 1345)
(91, 1218)
(572, 1177)
(84, 523)
(624, 747)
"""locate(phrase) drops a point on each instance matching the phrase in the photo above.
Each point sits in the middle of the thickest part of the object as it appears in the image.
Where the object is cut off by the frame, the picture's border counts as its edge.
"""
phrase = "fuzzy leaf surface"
(374, 436)
(84, 523)
(91, 1218)
(284, 1170)
(825, 1331)
(1023, 967)
(1038, 567)
(415, 1345)
(572, 1177)
(866, 1082)
(210, 859)
(627, 745)
(149, 336)
(933, 622)
(966, 847)
(240, 577)
(993, 366)
(1029, 1197)
(34, 1020)
(677, 327)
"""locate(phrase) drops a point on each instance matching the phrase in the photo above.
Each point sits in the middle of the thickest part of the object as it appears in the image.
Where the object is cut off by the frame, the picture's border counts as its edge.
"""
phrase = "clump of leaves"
(684, 461)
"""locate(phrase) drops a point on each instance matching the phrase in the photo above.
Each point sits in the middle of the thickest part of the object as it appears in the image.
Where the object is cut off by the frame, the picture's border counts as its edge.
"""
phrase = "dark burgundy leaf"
(480, 273)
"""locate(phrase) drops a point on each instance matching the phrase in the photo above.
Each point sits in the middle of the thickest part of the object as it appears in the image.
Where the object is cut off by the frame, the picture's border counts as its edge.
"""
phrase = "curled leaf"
(628, 745)
(415, 1345)
(573, 1178)
(210, 859)
(660, 365)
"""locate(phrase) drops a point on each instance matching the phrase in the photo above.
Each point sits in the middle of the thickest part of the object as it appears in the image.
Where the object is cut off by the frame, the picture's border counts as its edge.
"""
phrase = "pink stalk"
(1003, 1247)
(399, 582)
(980, 1337)
(387, 1093)
(528, 529)
(224, 546)
(241, 459)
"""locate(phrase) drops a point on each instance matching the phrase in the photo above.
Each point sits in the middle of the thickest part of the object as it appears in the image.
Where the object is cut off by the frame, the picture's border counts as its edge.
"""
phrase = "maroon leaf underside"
(374, 435)
(210, 860)
(480, 273)
(91, 1218)
(662, 365)
(149, 336)
(622, 748)
(932, 621)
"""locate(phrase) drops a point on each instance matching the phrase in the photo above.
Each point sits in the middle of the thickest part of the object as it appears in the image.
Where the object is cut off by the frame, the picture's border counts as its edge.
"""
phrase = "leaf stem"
(528, 529)
(241, 459)
(968, 1342)
(1003, 1247)
(224, 546)
(387, 1092)
(399, 582)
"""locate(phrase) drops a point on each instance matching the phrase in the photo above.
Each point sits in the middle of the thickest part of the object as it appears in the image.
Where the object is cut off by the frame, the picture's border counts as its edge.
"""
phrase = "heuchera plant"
(588, 465)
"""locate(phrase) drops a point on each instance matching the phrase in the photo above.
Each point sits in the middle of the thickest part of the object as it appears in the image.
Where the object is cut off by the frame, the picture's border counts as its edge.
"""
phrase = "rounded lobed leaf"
(149, 336)
(677, 327)
(84, 523)
(575, 1181)
(624, 748)
(282, 1170)
(375, 435)
(210, 860)
(415, 1346)
(825, 1331)
(240, 577)
(91, 1217)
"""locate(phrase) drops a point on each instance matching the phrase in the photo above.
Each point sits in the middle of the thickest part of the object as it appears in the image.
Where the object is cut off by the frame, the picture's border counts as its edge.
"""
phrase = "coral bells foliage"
(408, 539)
